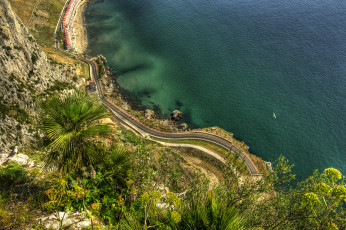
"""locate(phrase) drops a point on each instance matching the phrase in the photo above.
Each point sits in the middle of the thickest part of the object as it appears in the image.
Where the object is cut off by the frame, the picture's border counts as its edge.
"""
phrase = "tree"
(273, 203)
(72, 126)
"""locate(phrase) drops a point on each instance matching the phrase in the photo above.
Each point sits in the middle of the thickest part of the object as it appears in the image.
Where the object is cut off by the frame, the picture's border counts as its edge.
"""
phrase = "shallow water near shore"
(233, 64)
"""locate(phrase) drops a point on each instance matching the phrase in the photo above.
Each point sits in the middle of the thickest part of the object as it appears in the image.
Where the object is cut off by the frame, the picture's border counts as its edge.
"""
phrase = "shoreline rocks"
(176, 115)
(149, 114)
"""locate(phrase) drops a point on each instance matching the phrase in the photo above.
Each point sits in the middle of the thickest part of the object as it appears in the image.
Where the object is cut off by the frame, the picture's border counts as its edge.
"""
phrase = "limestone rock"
(103, 59)
(164, 122)
(75, 220)
(176, 115)
(22, 159)
(3, 158)
(149, 114)
(14, 152)
(25, 72)
(183, 126)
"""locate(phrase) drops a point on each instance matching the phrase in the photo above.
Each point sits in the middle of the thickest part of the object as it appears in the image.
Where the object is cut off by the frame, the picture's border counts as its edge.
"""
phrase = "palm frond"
(71, 124)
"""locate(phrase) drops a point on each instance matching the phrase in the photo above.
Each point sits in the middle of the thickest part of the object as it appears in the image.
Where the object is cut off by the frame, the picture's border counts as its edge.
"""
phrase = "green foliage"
(100, 67)
(131, 137)
(4, 109)
(210, 212)
(110, 188)
(310, 200)
(4, 217)
(283, 174)
(64, 197)
(176, 217)
(71, 125)
(59, 86)
(332, 173)
(339, 192)
(14, 111)
(16, 214)
(12, 174)
(60, 35)
(172, 199)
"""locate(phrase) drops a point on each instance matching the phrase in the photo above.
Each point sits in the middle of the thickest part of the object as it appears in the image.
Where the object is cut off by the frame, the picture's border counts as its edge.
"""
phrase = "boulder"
(103, 59)
(183, 126)
(176, 115)
(22, 159)
(73, 220)
(149, 114)
(3, 158)
(164, 122)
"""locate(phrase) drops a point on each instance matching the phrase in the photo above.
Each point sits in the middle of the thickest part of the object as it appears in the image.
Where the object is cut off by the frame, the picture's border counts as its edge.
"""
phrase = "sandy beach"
(78, 24)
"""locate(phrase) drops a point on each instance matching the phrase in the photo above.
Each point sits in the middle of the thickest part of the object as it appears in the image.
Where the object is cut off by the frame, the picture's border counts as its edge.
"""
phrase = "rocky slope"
(26, 74)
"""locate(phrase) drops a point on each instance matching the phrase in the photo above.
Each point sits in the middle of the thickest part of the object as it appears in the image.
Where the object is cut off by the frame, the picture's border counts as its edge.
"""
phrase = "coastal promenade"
(132, 123)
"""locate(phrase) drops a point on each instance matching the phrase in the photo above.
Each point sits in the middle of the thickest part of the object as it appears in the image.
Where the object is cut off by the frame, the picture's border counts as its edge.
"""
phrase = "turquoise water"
(233, 63)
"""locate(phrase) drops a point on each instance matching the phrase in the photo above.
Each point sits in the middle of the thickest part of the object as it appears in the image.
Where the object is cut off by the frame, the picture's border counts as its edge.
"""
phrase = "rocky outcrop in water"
(183, 126)
(176, 115)
(25, 73)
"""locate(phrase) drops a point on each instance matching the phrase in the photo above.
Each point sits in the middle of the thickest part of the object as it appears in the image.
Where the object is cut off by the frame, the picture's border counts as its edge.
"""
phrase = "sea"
(273, 72)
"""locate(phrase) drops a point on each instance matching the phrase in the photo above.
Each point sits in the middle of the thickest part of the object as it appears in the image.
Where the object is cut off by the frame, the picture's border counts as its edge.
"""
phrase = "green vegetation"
(60, 36)
(123, 181)
(70, 125)
(207, 212)
(100, 67)
(44, 30)
(58, 86)
(15, 111)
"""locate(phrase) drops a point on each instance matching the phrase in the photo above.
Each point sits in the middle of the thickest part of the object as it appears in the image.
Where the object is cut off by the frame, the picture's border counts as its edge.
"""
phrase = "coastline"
(79, 25)
(157, 122)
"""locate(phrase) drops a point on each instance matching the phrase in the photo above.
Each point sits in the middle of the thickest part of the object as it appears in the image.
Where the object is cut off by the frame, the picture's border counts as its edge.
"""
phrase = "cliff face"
(25, 73)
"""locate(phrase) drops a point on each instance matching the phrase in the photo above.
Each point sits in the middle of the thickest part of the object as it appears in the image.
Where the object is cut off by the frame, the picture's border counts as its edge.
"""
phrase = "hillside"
(77, 168)
(26, 74)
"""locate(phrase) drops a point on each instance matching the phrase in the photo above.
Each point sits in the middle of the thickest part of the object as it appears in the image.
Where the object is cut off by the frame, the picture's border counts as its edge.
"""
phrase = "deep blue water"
(232, 63)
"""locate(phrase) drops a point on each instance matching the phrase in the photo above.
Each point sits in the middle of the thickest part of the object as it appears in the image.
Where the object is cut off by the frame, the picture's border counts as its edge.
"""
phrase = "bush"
(59, 86)
(34, 58)
(7, 48)
(12, 174)
(131, 137)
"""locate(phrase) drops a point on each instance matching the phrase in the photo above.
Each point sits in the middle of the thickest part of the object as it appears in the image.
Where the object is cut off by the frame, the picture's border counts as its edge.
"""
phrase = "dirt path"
(32, 13)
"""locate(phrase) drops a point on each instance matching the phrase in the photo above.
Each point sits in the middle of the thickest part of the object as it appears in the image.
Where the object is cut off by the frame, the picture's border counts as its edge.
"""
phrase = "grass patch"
(23, 8)
(44, 20)
(235, 161)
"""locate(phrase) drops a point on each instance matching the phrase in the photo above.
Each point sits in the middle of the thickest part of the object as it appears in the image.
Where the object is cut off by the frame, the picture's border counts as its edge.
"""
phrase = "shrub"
(34, 58)
(131, 137)
(12, 174)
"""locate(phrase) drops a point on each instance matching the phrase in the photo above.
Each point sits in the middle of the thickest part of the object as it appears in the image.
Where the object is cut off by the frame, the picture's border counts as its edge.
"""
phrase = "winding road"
(138, 127)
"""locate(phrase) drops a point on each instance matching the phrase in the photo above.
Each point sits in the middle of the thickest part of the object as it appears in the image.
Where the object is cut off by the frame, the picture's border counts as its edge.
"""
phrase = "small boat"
(274, 115)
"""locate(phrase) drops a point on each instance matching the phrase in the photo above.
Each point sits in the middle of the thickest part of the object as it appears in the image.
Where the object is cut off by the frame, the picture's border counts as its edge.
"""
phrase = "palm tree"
(72, 125)
(210, 213)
